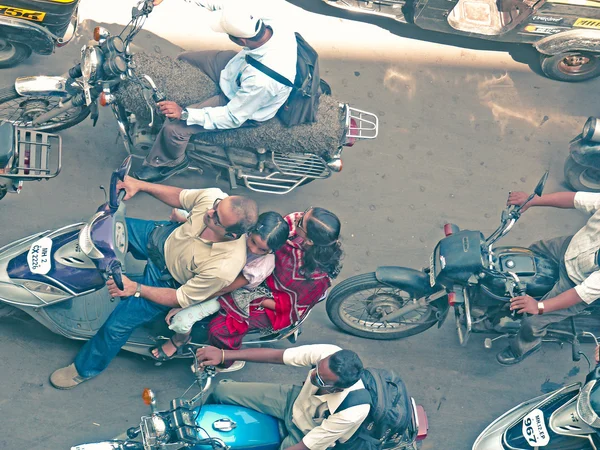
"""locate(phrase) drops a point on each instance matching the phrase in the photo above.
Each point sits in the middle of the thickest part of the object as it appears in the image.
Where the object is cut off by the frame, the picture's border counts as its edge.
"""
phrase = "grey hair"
(246, 211)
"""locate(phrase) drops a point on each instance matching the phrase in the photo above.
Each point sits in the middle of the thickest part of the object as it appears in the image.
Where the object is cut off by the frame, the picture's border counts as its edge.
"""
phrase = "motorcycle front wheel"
(13, 53)
(581, 178)
(22, 110)
(357, 304)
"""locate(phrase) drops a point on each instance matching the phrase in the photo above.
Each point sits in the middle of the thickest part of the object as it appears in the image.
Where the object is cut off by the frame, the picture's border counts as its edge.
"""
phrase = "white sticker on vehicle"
(534, 429)
(38, 258)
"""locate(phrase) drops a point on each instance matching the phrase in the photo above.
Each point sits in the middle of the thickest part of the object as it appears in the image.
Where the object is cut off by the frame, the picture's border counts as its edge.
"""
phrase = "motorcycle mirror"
(487, 343)
(105, 193)
(540, 186)
(124, 169)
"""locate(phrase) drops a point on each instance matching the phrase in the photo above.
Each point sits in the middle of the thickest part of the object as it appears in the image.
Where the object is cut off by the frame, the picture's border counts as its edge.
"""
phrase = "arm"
(527, 304)
(239, 282)
(212, 356)
(557, 200)
(299, 446)
(166, 194)
(335, 427)
(162, 296)
(268, 303)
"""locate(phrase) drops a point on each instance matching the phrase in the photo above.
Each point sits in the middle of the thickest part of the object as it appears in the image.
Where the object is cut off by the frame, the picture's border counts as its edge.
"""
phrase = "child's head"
(269, 234)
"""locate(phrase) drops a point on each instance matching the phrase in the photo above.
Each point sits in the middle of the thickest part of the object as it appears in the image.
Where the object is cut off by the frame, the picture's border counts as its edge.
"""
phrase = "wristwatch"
(138, 291)
(185, 114)
(540, 308)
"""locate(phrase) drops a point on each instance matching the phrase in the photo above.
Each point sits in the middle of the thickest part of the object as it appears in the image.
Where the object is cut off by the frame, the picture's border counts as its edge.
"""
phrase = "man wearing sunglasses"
(186, 264)
(315, 414)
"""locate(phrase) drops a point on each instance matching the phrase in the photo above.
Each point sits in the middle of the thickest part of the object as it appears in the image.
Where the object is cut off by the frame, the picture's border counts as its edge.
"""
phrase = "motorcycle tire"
(345, 290)
(9, 100)
(581, 178)
(564, 67)
(13, 53)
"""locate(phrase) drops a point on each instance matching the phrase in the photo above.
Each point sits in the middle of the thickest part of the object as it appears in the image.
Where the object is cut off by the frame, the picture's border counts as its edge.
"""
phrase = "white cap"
(236, 22)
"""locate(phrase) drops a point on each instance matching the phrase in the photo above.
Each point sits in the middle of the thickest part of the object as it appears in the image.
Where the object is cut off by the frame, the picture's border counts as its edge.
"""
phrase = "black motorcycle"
(36, 26)
(270, 158)
(582, 167)
(466, 272)
(564, 419)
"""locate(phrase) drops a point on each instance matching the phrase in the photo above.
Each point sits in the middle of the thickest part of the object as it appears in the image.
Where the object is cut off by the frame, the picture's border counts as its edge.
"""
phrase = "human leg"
(267, 398)
(210, 62)
(138, 233)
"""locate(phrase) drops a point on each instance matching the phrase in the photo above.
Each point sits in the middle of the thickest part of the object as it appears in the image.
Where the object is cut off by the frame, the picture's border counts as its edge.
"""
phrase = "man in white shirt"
(578, 284)
(248, 96)
(310, 411)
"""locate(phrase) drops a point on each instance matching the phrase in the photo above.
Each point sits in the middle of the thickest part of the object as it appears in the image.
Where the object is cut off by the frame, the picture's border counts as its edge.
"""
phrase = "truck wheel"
(571, 66)
(12, 53)
(581, 178)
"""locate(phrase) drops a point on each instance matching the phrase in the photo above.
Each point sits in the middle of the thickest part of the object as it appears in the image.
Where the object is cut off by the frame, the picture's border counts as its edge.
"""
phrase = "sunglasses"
(318, 380)
(215, 216)
(300, 223)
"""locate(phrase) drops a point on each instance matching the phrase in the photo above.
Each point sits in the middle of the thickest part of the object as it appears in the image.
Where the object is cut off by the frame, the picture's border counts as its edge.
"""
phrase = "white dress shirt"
(252, 94)
(308, 412)
(581, 257)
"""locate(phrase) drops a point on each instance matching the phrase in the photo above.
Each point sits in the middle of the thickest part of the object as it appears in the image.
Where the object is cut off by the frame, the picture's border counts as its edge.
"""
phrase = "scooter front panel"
(249, 429)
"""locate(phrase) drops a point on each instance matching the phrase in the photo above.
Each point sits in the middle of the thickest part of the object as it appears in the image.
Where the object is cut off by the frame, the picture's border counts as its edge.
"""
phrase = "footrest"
(38, 155)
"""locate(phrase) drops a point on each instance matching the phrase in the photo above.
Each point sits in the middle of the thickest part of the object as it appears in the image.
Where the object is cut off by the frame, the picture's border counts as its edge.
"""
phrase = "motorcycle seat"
(7, 143)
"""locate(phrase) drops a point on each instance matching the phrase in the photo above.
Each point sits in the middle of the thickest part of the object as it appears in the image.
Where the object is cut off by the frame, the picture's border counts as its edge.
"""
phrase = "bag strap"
(355, 398)
(269, 72)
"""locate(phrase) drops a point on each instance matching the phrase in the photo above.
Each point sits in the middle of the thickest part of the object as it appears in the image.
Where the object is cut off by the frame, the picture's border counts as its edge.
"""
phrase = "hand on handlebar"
(524, 304)
(157, 2)
(131, 186)
(129, 287)
(170, 109)
(209, 356)
(517, 199)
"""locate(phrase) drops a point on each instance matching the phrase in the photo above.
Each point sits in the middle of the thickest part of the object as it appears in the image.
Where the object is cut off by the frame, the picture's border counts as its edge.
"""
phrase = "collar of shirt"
(334, 399)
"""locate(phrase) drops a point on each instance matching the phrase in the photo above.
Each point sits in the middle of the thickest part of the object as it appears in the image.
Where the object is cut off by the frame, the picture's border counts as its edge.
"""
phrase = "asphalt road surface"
(461, 123)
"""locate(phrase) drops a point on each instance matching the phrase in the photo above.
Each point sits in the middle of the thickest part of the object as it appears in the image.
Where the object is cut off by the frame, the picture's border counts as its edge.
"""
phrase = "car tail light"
(451, 298)
(351, 131)
(423, 423)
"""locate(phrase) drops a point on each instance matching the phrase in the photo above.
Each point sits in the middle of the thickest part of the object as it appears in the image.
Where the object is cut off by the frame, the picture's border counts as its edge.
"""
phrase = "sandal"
(162, 356)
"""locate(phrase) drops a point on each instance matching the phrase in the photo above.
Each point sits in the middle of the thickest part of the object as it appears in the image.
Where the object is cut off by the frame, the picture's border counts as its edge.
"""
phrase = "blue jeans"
(130, 313)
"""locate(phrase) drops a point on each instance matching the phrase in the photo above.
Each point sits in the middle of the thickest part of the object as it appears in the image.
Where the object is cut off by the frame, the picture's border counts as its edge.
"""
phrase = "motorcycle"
(565, 419)
(564, 32)
(107, 67)
(465, 272)
(28, 26)
(58, 278)
(27, 155)
(224, 427)
(582, 167)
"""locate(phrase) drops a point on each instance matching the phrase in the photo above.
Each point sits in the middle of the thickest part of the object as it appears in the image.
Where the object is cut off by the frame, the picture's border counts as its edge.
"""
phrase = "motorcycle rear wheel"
(581, 178)
(22, 110)
(377, 298)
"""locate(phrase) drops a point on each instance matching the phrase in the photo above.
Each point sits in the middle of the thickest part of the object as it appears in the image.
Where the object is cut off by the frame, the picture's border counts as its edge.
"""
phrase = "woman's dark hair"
(323, 229)
(347, 366)
(272, 228)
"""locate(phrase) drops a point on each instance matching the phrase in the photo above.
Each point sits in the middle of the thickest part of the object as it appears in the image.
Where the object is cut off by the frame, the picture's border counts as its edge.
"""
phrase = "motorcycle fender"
(404, 276)
(581, 39)
(41, 86)
(585, 153)
(31, 34)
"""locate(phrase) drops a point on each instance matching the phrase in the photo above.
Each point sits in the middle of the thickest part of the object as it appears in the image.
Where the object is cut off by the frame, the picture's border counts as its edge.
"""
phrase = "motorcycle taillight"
(423, 423)
(350, 140)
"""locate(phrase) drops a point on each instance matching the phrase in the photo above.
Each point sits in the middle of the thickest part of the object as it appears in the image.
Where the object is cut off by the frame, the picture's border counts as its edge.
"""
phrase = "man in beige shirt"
(186, 264)
(310, 412)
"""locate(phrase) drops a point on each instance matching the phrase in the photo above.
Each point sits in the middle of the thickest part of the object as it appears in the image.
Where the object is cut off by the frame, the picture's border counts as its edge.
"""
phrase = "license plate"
(534, 429)
(39, 257)
(432, 270)
(36, 16)
(583, 22)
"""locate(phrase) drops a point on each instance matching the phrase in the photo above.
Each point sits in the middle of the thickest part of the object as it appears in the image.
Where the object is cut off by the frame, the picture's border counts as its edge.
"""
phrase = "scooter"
(582, 167)
(37, 26)
(565, 419)
(58, 277)
(465, 272)
(225, 427)
(275, 160)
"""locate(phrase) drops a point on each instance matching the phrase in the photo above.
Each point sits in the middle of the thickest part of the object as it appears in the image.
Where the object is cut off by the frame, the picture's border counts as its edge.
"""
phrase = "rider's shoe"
(67, 378)
(508, 357)
(154, 174)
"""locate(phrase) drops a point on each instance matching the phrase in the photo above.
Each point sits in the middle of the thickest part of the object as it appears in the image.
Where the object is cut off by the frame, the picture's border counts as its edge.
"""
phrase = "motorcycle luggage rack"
(293, 170)
(366, 124)
(34, 151)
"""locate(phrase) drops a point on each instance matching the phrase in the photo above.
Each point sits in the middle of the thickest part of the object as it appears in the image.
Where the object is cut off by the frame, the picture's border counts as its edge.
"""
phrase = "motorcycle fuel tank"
(240, 428)
(538, 272)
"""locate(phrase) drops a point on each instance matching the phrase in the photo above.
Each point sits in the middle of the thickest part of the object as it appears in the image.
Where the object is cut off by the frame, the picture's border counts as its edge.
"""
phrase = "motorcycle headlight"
(91, 57)
(85, 239)
(121, 237)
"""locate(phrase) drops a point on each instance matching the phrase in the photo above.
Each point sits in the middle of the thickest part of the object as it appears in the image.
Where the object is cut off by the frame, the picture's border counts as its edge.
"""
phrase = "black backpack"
(303, 102)
(391, 411)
